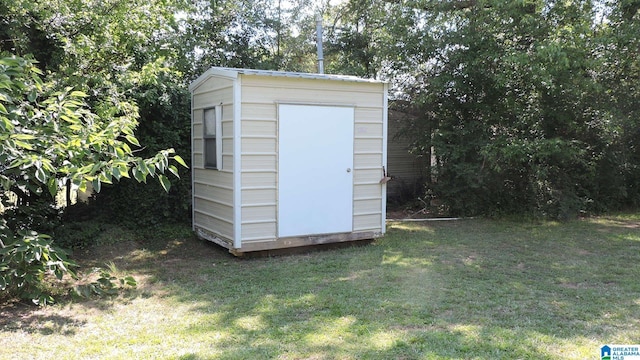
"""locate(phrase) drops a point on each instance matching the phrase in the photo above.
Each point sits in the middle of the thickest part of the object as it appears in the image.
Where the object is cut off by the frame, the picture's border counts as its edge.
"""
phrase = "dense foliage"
(118, 53)
(526, 114)
(51, 138)
(528, 106)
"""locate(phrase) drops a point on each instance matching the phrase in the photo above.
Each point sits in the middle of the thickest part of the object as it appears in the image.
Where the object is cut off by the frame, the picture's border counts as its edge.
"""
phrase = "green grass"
(472, 289)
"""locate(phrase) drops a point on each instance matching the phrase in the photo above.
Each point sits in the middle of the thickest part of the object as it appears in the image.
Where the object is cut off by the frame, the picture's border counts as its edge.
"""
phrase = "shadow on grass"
(20, 317)
(468, 289)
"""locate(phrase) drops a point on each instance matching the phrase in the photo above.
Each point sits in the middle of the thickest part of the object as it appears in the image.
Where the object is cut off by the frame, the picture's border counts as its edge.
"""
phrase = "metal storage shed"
(285, 159)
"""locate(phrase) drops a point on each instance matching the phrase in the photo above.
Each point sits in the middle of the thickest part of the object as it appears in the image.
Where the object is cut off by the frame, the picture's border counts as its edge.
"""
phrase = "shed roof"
(234, 72)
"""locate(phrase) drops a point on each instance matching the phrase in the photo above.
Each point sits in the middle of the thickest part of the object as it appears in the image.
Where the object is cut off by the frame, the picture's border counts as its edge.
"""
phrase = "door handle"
(348, 169)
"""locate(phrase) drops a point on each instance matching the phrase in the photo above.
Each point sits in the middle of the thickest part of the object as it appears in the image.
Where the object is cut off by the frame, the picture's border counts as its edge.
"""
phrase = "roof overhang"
(233, 73)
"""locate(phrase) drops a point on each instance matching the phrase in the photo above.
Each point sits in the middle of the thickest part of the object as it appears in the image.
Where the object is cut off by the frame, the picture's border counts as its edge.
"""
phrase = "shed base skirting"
(209, 236)
(288, 242)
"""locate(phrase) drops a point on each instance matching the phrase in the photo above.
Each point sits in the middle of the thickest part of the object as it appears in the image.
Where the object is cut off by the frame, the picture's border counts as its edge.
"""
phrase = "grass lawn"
(471, 289)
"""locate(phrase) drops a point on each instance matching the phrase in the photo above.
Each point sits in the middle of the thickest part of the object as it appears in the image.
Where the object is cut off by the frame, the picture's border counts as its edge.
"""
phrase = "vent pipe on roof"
(319, 43)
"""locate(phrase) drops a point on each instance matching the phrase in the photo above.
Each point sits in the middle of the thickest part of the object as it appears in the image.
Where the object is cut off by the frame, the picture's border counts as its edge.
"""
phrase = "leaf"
(124, 170)
(3, 109)
(139, 175)
(41, 175)
(166, 184)
(130, 281)
(97, 184)
(24, 145)
(68, 119)
(78, 94)
(35, 70)
(32, 96)
(151, 169)
(59, 272)
(180, 161)
(174, 171)
(52, 184)
(105, 178)
(23, 136)
(115, 172)
(96, 167)
(83, 186)
(160, 166)
(5, 123)
(133, 140)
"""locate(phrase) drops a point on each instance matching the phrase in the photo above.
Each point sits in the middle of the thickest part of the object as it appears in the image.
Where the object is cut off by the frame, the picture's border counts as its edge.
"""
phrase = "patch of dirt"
(416, 209)
(400, 213)
(622, 223)
(629, 224)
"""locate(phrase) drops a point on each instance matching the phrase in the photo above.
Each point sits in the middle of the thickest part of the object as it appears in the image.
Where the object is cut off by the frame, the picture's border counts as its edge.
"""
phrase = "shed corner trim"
(237, 162)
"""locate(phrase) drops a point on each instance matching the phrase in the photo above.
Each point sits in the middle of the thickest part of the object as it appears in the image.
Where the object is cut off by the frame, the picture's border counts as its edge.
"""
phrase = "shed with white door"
(284, 159)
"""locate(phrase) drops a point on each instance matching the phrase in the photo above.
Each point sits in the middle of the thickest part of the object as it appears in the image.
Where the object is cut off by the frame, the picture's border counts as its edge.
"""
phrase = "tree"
(515, 92)
(511, 100)
(51, 138)
(619, 170)
(116, 52)
(261, 34)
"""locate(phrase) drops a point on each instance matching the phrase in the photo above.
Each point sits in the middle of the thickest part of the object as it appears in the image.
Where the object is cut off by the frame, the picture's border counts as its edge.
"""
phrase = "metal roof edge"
(233, 73)
(213, 71)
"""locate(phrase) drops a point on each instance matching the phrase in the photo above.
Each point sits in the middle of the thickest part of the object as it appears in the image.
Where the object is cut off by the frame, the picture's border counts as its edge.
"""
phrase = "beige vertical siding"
(213, 189)
(260, 97)
(368, 160)
(259, 166)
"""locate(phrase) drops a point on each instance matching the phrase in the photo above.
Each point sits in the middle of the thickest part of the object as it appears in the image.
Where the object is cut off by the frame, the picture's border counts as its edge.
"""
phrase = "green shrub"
(75, 235)
(26, 258)
(108, 283)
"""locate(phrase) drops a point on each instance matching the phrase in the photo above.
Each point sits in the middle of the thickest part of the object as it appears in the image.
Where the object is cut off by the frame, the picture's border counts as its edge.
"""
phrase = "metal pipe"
(319, 43)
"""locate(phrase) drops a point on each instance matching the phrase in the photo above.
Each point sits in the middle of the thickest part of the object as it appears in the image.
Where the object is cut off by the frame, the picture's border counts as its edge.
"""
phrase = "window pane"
(210, 153)
(210, 122)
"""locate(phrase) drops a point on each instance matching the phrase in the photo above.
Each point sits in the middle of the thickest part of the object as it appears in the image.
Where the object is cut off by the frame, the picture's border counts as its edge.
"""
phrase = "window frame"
(216, 138)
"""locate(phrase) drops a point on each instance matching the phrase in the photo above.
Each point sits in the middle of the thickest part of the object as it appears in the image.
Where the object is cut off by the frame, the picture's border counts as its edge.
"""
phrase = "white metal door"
(315, 170)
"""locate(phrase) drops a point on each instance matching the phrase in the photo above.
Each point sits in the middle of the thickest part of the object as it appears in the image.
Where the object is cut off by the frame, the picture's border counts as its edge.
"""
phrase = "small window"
(211, 138)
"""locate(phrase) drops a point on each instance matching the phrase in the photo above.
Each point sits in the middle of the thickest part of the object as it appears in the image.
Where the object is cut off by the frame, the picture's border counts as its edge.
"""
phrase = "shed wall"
(260, 96)
(213, 189)
(408, 170)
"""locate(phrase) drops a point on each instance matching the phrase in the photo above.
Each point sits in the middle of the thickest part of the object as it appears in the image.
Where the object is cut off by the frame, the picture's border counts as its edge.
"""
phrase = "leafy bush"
(107, 283)
(165, 122)
(25, 261)
(78, 235)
